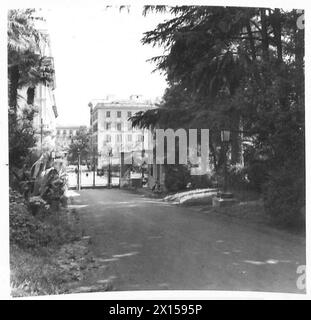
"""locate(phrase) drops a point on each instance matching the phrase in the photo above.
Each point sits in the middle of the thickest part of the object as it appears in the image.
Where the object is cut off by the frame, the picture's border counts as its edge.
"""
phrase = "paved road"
(146, 244)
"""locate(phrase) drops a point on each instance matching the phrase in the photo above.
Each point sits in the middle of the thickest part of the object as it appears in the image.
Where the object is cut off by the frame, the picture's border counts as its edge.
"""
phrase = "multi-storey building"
(44, 121)
(64, 134)
(112, 131)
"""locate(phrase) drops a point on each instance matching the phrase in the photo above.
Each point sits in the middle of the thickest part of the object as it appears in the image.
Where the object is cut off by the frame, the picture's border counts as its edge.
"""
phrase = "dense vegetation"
(39, 227)
(81, 144)
(240, 69)
(27, 67)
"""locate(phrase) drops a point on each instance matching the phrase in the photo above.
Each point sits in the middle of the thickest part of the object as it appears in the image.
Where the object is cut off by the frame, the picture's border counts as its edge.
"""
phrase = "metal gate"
(91, 179)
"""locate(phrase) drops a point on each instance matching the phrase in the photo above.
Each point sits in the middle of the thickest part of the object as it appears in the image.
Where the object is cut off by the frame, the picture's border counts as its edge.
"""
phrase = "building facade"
(64, 134)
(112, 131)
(44, 121)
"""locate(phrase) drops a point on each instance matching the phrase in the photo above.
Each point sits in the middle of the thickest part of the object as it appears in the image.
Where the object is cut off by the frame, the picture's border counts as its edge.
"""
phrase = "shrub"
(284, 196)
(52, 186)
(203, 181)
(237, 176)
(37, 204)
(176, 177)
(257, 174)
(25, 230)
(34, 232)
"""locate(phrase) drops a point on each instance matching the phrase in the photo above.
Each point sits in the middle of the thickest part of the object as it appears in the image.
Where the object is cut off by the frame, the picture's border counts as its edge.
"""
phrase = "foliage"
(53, 186)
(203, 181)
(176, 177)
(26, 64)
(27, 67)
(284, 196)
(34, 232)
(257, 175)
(35, 241)
(43, 186)
(25, 230)
(241, 69)
(237, 176)
(21, 136)
(80, 145)
(37, 204)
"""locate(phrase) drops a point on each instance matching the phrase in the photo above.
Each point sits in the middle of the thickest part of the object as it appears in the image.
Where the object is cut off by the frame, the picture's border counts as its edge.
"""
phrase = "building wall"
(64, 135)
(44, 98)
(112, 129)
(44, 121)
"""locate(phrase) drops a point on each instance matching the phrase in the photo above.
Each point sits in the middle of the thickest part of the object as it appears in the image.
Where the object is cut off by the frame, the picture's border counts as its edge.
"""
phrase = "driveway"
(144, 243)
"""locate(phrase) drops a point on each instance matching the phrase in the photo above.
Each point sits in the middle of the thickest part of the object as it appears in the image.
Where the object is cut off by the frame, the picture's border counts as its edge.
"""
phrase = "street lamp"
(79, 143)
(143, 154)
(143, 164)
(225, 138)
(90, 105)
(224, 198)
(109, 166)
(225, 135)
(79, 173)
(93, 163)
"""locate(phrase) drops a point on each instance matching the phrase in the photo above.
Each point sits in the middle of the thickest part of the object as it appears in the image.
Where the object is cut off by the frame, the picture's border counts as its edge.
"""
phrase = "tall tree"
(241, 69)
(80, 146)
(26, 68)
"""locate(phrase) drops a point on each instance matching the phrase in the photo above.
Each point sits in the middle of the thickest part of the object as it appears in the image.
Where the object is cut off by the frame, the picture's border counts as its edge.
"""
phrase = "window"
(129, 126)
(108, 126)
(119, 126)
(70, 132)
(119, 137)
(64, 132)
(129, 114)
(58, 132)
(108, 138)
(129, 138)
(119, 114)
(107, 114)
(140, 138)
(95, 127)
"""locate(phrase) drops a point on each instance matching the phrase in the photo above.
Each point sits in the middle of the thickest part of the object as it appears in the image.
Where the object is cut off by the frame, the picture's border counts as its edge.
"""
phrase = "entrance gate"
(90, 179)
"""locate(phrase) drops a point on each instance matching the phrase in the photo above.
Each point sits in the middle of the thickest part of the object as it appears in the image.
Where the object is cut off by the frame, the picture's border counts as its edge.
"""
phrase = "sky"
(98, 52)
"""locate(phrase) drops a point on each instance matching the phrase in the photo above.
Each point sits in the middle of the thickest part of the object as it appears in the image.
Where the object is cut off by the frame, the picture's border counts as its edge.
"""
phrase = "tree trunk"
(30, 95)
(214, 157)
(13, 86)
(251, 42)
(236, 142)
(299, 40)
(264, 35)
(277, 28)
(253, 54)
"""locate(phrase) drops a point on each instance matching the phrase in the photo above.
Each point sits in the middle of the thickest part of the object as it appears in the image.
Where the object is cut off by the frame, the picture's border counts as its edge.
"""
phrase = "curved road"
(144, 243)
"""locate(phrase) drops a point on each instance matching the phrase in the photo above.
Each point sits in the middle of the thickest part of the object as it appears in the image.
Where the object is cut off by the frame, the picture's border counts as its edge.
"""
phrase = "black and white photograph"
(154, 147)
